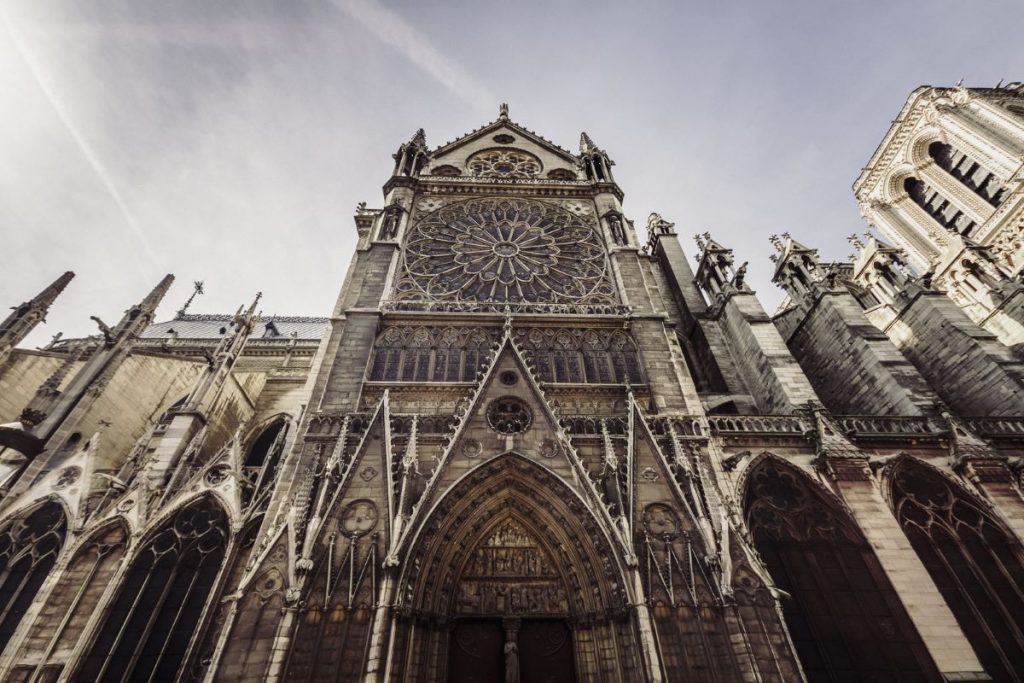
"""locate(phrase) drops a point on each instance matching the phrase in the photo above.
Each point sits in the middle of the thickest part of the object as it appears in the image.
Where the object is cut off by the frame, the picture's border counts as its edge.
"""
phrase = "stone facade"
(529, 445)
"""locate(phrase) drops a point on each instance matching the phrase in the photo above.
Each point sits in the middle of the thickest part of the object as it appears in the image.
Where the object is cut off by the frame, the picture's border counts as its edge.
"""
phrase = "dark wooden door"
(545, 652)
(475, 652)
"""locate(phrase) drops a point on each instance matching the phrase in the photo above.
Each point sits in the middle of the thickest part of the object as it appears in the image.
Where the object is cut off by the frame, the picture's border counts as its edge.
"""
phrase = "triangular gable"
(476, 441)
(366, 488)
(497, 127)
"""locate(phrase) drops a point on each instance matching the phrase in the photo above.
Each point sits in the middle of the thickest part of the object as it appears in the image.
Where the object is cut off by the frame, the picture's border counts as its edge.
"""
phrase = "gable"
(504, 139)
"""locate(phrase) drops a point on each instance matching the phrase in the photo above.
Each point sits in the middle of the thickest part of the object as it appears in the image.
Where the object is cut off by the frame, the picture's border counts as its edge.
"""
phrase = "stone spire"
(715, 272)
(168, 450)
(103, 362)
(25, 317)
(595, 161)
(797, 268)
(197, 289)
(411, 156)
(223, 359)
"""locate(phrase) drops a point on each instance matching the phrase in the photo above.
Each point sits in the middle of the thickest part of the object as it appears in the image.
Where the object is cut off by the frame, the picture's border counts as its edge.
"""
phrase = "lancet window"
(264, 454)
(975, 562)
(430, 354)
(152, 621)
(969, 172)
(582, 356)
(945, 213)
(70, 605)
(846, 621)
(29, 545)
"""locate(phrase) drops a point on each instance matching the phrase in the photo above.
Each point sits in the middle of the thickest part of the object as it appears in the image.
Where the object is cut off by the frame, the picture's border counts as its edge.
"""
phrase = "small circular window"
(508, 378)
(504, 139)
(509, 415)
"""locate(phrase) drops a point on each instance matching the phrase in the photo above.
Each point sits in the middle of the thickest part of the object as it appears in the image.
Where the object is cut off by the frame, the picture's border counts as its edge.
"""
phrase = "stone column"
(966, 199)
(975, 137)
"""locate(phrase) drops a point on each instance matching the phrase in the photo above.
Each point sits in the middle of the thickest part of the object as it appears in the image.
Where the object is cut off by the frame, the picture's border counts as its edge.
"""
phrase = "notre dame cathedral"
(530, 445)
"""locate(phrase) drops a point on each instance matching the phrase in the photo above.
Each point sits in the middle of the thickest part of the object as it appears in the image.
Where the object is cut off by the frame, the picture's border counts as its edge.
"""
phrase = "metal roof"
(215, 326)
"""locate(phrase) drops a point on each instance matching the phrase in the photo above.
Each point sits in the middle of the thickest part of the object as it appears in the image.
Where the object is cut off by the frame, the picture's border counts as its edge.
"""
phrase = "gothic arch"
(151, 622)
(263, 455)
(845, 619)
(30, 541)
(574, 573)
(70, 603)
(974, 559)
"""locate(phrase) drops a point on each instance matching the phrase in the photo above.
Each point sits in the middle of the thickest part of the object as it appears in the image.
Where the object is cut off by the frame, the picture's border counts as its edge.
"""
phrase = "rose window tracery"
(504, 163)
(508, 415)
(505, 251)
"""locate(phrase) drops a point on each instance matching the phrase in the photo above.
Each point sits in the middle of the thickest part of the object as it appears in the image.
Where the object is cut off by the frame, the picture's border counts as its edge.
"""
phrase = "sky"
(230, 141)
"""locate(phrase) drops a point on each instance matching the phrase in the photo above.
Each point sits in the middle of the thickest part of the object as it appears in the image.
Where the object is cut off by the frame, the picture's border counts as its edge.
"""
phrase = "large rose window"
(505, 251)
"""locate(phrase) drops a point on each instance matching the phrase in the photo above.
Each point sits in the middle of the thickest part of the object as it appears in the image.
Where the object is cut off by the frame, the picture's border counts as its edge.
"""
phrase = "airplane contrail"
(83, 145)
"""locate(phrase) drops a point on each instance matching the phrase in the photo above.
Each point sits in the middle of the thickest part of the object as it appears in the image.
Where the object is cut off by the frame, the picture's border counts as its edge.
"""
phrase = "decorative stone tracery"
(505, 251)
(504, 163)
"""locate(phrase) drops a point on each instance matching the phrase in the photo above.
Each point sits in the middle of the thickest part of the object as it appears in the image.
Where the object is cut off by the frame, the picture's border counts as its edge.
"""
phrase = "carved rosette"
(507, 251)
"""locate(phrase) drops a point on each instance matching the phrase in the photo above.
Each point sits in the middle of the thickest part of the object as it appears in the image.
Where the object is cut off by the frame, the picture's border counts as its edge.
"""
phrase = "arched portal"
(845, 619)
(975, 562)
(29, 545)
(148, 628)
(511, 558)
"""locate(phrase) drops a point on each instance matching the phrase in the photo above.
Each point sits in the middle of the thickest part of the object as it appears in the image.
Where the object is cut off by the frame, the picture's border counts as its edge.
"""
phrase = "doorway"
(476, 653)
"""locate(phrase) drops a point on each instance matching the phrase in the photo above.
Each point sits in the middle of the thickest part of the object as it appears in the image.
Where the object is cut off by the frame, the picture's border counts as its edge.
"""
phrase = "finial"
(699, 239)
(507, 327)
(776, 242)
(197, 288)
(503, 111)
(854, 240)
(586, 144)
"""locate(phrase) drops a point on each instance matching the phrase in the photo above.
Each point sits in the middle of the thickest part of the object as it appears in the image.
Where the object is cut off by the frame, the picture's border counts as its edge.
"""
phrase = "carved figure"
(615, 225)
(511, 662)
(389, 227)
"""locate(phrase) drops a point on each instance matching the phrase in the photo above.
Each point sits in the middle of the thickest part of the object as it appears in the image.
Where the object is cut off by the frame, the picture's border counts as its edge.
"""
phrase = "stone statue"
(618, 234)
(657, 225)
(389, 228)
(511, 662)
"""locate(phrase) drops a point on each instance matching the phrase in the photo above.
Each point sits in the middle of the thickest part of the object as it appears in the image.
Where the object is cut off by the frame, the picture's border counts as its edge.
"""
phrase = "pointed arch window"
(71, 603)
(264, 455)
(29, 545)
(424, 354)
(976, 563)
(969, 172)
(845, 619)
(151, 623)
(582, 356)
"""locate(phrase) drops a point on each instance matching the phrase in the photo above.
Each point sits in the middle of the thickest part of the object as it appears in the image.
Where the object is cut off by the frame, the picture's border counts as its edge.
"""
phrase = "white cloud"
(392, 29)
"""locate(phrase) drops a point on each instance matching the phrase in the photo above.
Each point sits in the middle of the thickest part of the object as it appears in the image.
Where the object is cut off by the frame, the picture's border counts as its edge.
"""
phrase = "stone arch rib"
(510, 489)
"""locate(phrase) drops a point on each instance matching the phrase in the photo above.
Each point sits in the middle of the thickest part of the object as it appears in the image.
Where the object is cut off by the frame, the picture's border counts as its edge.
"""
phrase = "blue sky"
(229, 142)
